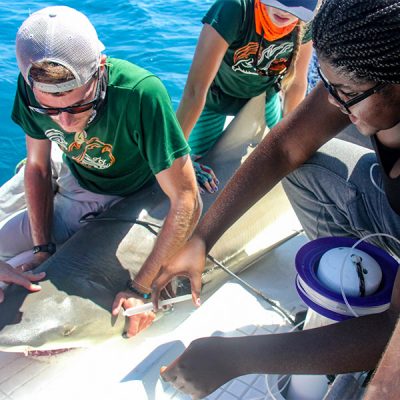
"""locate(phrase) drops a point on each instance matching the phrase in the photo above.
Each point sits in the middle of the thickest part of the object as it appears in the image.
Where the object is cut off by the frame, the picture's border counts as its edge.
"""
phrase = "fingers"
(117, 304)
(211, 177)
(207, 181)
(195, 284)
(209, 171)
(30, 286)
(158, 285)
(172, 375)
(38, 259)
(168, 373)
(133, 326)
(162, 369)
(139, 322)
(23, 279)
(206, 177)
(169, 291)
(164, 278)
(146, 320)
(34, 277)
(25, 267)
(1, 295)
(33, 288)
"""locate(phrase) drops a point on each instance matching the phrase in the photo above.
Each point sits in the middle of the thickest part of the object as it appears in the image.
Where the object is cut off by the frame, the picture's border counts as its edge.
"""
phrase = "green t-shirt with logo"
(134, 136)
(237, 77)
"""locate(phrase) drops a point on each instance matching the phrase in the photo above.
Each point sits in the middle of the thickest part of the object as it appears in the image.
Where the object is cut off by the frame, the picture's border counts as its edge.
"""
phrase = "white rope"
(351, 309)
(372, 178)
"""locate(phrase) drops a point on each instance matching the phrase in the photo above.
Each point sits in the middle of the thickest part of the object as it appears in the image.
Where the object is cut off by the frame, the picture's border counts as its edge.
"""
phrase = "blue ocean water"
(159, 35)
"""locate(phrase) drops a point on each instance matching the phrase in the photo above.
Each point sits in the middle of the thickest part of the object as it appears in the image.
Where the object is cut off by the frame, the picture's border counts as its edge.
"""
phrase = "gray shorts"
(339, 192)
(71, 202)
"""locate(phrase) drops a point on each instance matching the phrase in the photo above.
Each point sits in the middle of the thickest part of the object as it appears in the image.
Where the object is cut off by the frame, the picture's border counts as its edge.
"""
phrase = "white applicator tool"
(149, 306)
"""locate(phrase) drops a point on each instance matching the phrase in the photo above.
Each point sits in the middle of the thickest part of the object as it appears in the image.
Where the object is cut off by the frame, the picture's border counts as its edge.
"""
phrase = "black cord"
(92, 217)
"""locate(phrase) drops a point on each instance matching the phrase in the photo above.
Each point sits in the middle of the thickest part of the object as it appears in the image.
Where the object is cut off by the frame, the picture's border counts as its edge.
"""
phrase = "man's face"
(379, 111)
(69, 122)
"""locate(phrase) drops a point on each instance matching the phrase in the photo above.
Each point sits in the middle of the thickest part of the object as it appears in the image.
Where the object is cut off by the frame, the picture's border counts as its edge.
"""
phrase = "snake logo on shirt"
(268, 58)
(91, 153)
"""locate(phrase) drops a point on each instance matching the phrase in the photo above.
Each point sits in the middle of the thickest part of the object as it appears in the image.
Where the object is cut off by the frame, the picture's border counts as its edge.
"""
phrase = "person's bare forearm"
(296, 91)
(177, 228)
(189, 109)
(287, 145)
(39, 198)
(207, 59)
(293, 97)
(354, 345)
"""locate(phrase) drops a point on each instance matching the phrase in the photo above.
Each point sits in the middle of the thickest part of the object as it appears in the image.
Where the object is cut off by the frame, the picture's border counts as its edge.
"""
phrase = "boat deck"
(130, 367)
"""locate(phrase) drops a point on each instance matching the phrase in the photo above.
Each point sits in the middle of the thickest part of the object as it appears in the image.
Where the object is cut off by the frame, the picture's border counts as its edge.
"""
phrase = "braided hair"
(360, 38)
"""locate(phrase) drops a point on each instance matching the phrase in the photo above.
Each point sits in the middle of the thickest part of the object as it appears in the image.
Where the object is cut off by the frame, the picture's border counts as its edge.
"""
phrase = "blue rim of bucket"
(307, 260)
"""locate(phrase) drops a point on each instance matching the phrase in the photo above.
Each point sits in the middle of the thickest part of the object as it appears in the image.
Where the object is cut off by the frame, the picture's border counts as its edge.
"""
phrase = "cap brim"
(292, 7)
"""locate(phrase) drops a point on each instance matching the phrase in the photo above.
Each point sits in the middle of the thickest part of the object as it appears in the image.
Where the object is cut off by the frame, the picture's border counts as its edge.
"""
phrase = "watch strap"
(44, 248)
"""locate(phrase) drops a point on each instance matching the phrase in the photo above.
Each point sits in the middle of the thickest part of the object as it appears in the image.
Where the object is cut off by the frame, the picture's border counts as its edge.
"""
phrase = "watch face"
(36, 249)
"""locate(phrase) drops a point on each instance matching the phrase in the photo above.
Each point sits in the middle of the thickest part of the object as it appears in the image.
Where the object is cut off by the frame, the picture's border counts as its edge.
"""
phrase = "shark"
(73, 309)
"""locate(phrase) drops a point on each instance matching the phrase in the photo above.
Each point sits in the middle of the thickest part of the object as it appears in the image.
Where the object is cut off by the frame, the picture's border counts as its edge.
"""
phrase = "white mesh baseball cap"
(302, 9)
(62, 35)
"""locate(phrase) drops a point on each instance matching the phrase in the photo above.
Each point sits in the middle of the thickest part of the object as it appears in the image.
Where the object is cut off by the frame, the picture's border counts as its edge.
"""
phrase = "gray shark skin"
(73, 309)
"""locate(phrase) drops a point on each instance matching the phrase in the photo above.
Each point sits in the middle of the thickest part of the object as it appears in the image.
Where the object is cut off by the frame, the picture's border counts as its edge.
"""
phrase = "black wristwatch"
(44, 248)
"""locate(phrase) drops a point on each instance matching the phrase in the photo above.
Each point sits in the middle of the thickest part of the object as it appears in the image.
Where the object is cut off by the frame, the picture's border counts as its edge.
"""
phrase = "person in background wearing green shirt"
(246, 47)
(116, 128)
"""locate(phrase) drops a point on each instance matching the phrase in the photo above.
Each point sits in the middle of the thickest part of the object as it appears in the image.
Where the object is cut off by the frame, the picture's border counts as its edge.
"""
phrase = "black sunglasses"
(277, 68)
(80, 108)
(345, 105)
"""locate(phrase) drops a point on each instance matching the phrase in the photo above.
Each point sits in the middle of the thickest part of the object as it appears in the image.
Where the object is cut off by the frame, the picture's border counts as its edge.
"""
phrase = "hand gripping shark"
(73, 309)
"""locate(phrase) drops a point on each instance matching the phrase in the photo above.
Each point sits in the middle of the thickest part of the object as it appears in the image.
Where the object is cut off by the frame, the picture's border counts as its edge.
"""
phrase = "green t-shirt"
(134, 136)
(237, 77)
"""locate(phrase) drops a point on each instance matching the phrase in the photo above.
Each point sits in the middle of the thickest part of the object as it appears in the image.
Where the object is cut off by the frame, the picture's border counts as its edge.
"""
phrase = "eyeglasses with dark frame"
(345, 105)
(271, 71)
(80, 108)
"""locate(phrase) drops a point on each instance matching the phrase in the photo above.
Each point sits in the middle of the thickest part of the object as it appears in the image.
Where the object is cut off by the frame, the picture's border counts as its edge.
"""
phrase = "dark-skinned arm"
(353, 345)
(289, 144)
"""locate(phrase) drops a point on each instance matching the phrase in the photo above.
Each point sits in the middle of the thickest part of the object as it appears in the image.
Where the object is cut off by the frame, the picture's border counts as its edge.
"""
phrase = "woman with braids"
(246, 47)
(330, 187)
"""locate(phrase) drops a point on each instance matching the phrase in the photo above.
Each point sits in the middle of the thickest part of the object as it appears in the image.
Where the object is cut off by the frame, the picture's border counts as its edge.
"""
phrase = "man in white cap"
(116, 127)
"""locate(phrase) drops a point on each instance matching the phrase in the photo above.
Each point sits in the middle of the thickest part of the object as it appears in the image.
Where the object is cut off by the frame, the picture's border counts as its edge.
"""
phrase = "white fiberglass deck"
(122, 368)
